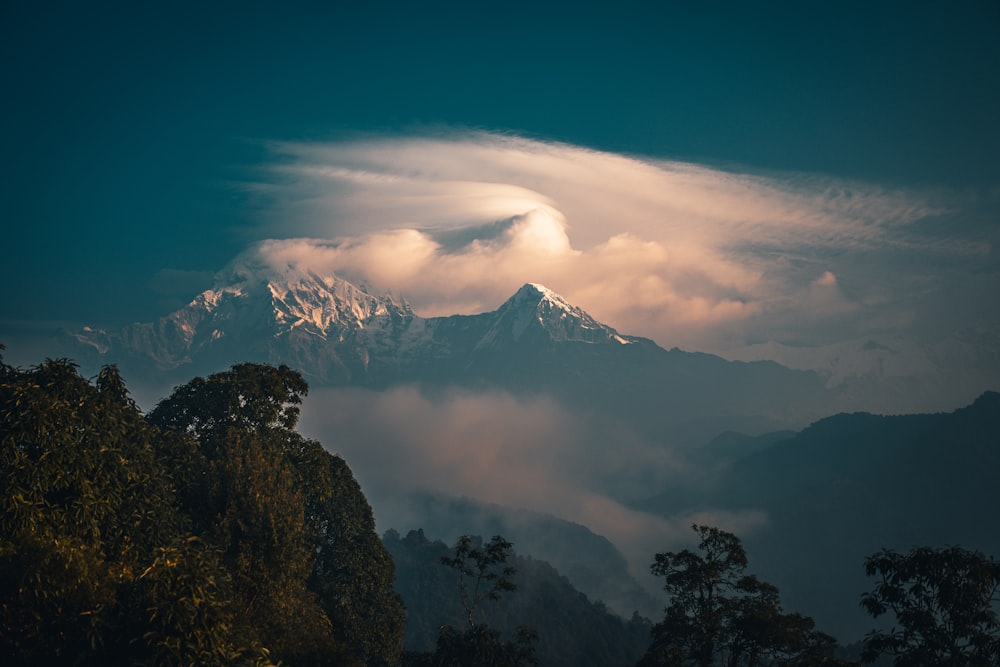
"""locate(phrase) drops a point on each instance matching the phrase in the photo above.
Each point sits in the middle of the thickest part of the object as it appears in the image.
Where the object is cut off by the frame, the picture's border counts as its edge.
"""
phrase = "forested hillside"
(572, 630)
(851, 484)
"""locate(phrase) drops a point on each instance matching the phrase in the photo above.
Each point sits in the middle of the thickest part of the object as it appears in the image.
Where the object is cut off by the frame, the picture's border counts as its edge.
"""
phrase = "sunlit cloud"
(687, 255)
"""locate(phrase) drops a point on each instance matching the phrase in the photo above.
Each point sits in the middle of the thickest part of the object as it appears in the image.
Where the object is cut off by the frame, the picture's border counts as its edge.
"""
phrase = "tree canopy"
(209, 532)
(945, 602)
(718, 615)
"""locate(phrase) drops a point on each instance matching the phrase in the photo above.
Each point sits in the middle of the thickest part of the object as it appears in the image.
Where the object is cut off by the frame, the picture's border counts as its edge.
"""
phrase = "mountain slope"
(852, 484)
(339, 334)
(572, 630)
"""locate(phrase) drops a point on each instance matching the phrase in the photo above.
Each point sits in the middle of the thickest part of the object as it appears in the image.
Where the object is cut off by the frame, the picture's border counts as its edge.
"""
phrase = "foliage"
(294, 527)
(945, 601)
(479, 646)
(353, 573)
(483, 570)
(720, 616)
(89, 533)
(199, 535)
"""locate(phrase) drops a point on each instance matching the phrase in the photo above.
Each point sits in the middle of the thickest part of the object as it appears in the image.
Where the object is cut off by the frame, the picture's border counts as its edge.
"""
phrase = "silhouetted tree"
(572, 630)
(483, 571)
(720, 616)
(483, 574)
(945, 602)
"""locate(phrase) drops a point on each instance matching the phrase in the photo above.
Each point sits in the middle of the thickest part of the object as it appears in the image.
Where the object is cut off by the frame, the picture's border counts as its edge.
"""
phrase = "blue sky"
(131, 134)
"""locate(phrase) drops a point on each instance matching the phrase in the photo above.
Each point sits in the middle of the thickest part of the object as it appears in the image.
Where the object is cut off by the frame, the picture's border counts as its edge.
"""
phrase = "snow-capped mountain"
(338, 333)
(537, 311)
(332, 330)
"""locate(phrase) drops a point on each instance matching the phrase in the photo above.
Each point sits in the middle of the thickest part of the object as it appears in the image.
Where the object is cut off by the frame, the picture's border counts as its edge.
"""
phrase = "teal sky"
(126, 128)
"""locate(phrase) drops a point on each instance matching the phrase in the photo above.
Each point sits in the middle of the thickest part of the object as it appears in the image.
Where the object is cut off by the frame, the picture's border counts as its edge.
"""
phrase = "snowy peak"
(289, 298)
(537, 313)
(336, 331)
(321, 305)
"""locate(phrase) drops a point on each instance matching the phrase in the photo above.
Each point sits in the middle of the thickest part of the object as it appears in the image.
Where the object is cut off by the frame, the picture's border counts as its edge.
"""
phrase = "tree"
(483, 574)
(353, 573)
(90, 533)
(294, 528)
(209, 533)
(945, 602)
(718, 615)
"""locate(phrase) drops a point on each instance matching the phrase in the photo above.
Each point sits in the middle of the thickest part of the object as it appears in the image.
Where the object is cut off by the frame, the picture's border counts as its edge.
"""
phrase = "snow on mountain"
(535, 309)
(330, 328)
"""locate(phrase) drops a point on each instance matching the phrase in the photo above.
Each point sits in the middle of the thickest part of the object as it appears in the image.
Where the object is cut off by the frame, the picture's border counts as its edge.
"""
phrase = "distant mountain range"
(847, 486)
(831, 493)
(337, 333)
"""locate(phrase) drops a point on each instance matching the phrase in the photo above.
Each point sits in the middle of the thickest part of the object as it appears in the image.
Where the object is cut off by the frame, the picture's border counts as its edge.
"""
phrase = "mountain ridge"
(262, 309)
(851, 484)
(339, 334)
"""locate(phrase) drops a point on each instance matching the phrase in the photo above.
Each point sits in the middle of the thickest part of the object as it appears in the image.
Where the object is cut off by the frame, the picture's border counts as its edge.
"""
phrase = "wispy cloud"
(684, 254)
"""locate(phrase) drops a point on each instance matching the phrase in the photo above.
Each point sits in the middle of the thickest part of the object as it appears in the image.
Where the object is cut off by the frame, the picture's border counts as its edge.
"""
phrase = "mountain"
(897, 373)
(851, 484)
(322, 325)
(594, 565)
(337, 333)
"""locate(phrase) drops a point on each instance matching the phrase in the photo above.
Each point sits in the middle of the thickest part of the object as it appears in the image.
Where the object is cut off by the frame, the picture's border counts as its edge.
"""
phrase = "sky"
(716, 176)
(778, 173)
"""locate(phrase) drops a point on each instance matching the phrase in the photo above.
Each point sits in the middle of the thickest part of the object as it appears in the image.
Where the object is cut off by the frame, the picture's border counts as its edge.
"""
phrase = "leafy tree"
(720, 616)
(353, 573)
(294, 528)
(89, 531)
(209, 533)
(945, 601)
(483, 571)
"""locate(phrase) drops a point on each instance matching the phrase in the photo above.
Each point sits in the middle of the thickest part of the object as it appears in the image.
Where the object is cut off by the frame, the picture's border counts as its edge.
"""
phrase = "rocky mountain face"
(337, 333)
(333, 331)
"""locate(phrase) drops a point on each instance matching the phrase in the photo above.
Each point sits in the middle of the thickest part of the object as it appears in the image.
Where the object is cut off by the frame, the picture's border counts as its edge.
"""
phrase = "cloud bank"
(522, 452)
(687, 255)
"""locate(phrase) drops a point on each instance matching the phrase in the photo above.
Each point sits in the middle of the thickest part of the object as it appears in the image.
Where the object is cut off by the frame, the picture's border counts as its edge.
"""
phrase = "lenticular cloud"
(686, 255)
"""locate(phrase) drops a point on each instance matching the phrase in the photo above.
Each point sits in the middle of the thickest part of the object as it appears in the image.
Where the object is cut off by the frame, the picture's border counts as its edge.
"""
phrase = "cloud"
(687, 255)
(521, 452)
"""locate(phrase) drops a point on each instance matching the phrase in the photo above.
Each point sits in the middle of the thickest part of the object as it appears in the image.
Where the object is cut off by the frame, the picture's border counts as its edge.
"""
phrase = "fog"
(525, 453)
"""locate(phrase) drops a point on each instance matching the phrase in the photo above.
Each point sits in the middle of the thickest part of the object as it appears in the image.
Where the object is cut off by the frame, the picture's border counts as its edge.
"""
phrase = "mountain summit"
(333, 330)
(338, 333)
(537, 313)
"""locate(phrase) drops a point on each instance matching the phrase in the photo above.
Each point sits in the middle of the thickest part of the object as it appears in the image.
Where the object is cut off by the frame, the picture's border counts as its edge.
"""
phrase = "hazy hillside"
(851, 484)
(590, 561)
(573, 631)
